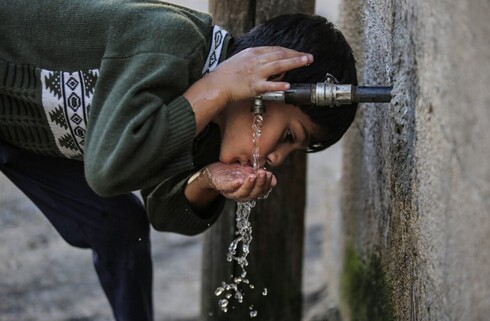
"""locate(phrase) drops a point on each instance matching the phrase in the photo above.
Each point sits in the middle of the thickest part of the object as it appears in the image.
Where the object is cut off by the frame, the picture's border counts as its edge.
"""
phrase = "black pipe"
(371, 94)
(328, 94)
(299, 94)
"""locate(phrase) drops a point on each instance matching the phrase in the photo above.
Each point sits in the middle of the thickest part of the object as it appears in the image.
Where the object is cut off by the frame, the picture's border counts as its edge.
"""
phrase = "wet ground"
(43, 278)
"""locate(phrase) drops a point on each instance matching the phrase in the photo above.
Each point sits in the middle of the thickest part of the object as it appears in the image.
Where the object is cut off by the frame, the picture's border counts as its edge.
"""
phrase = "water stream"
(240, 246)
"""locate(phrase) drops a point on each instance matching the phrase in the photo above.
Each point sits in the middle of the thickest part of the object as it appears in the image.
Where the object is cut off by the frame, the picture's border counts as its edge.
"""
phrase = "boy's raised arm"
(243, 76)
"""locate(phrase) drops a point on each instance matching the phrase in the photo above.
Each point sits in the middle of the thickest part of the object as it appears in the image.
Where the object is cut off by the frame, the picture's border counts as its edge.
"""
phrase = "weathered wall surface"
(416, 176)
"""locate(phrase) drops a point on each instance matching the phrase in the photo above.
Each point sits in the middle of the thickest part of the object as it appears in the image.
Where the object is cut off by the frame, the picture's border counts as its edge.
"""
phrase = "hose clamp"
(330, 93)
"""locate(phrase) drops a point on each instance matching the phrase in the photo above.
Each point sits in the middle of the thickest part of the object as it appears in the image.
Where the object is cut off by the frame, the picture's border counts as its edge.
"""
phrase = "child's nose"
(275, 158)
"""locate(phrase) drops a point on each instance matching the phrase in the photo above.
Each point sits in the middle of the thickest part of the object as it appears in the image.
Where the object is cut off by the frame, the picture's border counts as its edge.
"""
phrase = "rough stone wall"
(416, 173)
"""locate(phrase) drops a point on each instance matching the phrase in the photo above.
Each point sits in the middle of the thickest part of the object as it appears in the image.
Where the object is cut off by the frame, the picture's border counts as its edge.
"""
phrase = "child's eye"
(289, 136)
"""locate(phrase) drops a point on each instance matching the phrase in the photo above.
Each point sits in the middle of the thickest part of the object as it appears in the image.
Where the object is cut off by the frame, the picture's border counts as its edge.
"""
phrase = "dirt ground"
(43, 278)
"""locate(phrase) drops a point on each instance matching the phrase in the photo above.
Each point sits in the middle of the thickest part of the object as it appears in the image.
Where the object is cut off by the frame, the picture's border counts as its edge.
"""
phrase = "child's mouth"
(249, 164)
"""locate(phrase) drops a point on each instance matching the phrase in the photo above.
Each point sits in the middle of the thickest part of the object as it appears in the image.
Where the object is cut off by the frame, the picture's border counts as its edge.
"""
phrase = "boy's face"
(285, 129)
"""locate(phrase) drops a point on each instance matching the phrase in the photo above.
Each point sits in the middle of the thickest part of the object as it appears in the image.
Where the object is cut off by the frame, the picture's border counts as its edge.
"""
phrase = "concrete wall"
(416, 175)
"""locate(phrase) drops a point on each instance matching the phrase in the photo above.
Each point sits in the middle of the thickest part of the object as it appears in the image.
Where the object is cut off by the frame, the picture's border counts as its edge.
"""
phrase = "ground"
(43, 278)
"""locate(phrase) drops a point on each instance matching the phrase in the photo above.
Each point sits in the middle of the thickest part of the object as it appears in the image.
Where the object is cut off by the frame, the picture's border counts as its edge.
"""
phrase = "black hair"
(332, 54)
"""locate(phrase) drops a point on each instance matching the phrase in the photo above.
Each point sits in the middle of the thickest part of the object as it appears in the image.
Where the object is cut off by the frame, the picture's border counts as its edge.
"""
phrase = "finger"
(275, 63)
(247, 187)
(270, 178)
(261, 179)
(265, 86)
(277, 50)
(269, 183)
(262, 184)
(236, 184)
(273, 181)
(280, 54)
(278, 66)
(264, 190)
(230, 187)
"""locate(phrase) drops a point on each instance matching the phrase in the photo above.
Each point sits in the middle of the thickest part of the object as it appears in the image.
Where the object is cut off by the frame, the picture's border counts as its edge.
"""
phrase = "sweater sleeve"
(141, 129)
(168, 209)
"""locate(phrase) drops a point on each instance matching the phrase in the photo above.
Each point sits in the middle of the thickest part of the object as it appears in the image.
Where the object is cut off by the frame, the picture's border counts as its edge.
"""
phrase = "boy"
(99, 99)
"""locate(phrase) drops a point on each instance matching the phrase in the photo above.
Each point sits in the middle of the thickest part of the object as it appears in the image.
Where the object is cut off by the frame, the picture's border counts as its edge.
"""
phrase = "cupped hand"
(240, 183)
(252, 71)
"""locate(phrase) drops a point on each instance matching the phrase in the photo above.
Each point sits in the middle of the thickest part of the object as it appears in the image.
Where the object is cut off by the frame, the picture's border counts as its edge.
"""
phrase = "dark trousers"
(115, 228)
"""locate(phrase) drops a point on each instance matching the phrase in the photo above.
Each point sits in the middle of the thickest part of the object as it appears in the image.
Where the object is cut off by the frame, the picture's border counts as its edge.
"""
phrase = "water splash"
(240, 247)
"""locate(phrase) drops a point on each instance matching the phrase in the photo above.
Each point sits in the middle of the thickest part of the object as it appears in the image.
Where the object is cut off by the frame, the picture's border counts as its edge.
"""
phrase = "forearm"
(206, 99)
(169, 210)
(199, 192)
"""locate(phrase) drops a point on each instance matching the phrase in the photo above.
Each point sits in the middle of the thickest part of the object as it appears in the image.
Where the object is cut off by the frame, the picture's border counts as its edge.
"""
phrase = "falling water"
(240, 246)
(257, 131)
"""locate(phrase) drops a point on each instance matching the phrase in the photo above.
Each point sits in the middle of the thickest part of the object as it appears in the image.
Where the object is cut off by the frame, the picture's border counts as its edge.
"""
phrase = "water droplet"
(219, 291)
(239, 296)
(223, 303)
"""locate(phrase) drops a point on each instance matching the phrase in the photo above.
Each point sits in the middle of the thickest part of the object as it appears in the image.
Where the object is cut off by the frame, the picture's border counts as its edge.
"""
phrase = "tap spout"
(258, 106)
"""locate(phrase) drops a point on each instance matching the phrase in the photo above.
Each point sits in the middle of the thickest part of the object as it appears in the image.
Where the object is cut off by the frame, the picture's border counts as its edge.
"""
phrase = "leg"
(115, 228)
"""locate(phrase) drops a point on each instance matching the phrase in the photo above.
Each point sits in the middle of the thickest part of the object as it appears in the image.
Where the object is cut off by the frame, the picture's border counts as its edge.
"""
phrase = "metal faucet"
(258, 106)
(326, 93)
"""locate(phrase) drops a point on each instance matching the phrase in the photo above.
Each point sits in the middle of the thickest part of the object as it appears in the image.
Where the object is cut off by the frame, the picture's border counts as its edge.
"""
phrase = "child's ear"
(277, 77)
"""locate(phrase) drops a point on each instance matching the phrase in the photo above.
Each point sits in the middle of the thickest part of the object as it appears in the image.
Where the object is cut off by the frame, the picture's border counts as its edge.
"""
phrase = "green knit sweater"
(101, 81)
